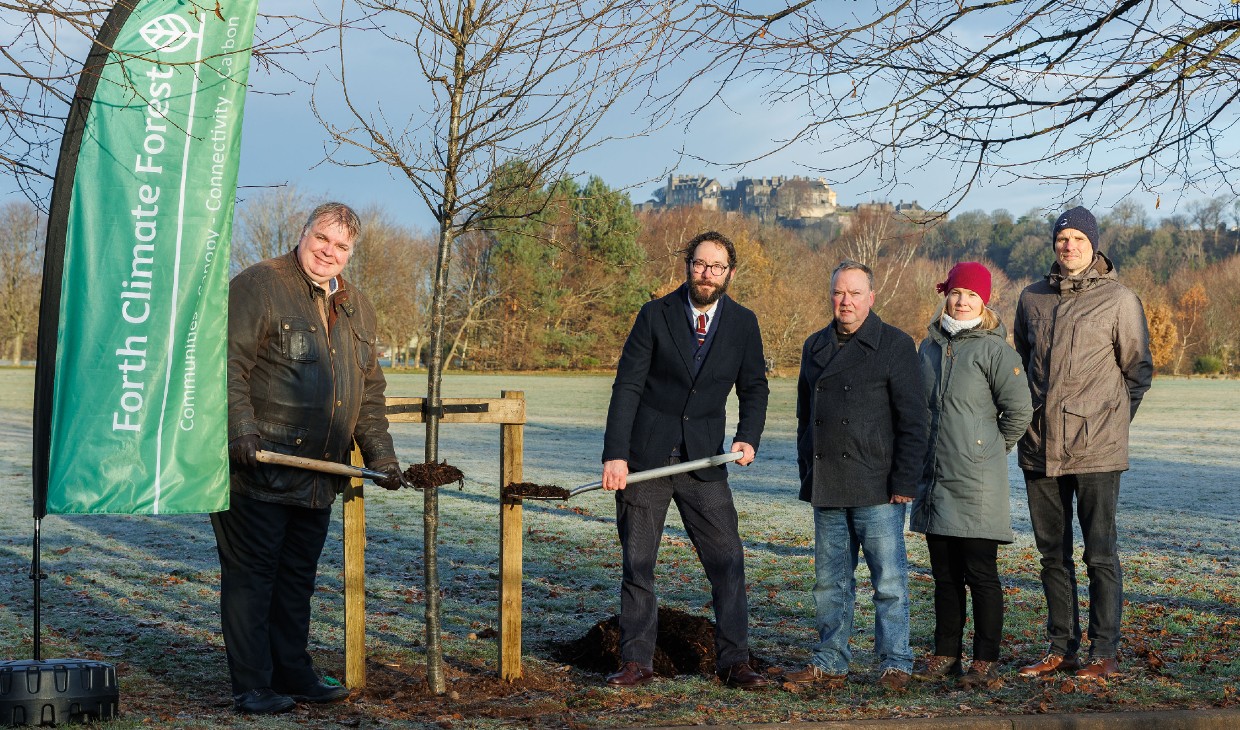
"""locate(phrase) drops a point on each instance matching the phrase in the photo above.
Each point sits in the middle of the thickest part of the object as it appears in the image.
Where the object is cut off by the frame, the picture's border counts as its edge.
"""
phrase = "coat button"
(312, 329)
(817, 421)
(979, 442)
(819, 389)
(845, 421)
(299, 441)
(286, 326)
(339, 403)
(846, 455)
(847, 388)
(817, 456)
(686, 418)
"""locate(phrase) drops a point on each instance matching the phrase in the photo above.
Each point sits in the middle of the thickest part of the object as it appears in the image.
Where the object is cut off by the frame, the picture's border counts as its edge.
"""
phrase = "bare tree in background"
(43, 44)
(393, 265)
(268, 224)
(21, 271)
(884, 242)
(495, 81)
(1142, 92)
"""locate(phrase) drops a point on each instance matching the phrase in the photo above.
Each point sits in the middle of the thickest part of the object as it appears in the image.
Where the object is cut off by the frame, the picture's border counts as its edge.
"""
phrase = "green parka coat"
(979, 408)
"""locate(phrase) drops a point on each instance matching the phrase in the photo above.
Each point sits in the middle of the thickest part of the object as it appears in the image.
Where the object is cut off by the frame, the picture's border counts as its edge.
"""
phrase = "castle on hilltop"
(789, 201)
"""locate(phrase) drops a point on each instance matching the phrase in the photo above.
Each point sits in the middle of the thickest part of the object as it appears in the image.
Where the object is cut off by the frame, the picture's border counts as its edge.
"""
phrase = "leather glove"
(394, 479)
(244, 450)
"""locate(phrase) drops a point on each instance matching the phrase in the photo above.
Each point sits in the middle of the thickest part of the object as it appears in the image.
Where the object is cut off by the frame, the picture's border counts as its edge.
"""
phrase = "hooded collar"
(1099, 269)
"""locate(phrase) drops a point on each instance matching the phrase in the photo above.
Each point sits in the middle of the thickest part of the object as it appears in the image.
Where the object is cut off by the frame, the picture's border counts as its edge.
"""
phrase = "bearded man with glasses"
(685, 354)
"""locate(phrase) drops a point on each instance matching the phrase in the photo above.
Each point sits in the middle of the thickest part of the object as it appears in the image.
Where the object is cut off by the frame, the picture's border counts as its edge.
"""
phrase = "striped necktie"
(701, 329)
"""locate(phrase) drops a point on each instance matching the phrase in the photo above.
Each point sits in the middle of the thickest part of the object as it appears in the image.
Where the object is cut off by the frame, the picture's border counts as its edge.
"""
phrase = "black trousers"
(957, 562)
(269, 556)
(709, 517)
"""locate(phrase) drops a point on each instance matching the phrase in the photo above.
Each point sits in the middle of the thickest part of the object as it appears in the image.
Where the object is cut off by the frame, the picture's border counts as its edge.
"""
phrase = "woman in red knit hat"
(979, 408)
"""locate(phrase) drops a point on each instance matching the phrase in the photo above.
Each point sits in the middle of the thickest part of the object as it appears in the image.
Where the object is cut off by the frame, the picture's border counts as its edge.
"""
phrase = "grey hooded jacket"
(1086, 349)
(979, 407)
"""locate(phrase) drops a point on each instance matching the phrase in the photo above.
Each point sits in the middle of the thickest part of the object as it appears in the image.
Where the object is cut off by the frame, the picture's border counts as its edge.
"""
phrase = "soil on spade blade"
(430, 474)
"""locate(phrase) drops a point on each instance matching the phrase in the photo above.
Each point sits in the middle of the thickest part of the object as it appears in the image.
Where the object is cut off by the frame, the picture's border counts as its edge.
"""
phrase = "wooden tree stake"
(511, 447)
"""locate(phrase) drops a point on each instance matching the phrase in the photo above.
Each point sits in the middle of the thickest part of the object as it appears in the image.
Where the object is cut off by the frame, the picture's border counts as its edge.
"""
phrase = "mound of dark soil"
(430, 474)
(685, 645)
(517, 490)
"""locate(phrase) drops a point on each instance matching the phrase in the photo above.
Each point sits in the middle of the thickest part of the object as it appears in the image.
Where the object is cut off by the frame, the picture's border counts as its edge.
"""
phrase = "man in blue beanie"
(1085, 344)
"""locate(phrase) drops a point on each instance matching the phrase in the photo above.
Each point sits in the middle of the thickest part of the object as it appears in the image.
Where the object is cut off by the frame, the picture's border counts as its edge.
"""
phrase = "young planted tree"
(493, 81)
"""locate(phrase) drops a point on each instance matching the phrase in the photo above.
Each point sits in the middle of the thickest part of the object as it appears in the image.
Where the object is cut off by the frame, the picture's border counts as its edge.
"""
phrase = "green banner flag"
(139, 407)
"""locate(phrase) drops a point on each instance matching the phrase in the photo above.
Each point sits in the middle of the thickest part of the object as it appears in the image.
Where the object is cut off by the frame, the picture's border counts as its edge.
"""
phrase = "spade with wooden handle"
(327, 467)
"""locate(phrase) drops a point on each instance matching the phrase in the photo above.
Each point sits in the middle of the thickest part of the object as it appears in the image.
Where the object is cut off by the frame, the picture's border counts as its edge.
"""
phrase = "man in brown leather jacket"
(1084, 341)
(303, 379)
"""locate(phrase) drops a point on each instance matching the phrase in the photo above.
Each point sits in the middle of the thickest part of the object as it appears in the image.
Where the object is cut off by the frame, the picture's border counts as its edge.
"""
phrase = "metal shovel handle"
(327, 467)
(666, 471)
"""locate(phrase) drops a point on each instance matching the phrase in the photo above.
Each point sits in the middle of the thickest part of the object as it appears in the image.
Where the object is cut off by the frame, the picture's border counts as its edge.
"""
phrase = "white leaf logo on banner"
(168, 33)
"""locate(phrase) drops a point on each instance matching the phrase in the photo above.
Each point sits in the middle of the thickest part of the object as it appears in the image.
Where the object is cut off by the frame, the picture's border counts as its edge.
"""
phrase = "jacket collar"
(867, 338)
(677, 323)
(1099, 269)
(935, 332)
(340, 297)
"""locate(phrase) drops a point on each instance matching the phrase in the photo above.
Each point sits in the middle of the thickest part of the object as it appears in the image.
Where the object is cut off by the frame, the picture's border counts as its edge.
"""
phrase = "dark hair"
(713, 237)
(338, 213)
(849, 265)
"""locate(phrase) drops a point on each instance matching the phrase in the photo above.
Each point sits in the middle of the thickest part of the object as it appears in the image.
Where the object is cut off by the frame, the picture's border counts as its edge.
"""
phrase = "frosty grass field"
(141, 592)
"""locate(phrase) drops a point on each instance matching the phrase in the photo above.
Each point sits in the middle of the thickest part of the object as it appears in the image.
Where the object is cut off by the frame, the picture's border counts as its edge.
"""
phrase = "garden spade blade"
(641, 476)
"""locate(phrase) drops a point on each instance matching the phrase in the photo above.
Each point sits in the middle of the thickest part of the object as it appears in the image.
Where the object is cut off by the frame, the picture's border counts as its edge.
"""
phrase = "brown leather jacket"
(1086, 349)
(303, 386)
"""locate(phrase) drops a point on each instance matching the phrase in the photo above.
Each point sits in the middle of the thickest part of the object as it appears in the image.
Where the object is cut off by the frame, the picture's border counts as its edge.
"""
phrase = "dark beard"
(713, 297)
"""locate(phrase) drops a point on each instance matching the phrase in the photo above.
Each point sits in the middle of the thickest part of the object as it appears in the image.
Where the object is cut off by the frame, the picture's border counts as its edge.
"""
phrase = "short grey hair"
(338, 213)
(850, 265)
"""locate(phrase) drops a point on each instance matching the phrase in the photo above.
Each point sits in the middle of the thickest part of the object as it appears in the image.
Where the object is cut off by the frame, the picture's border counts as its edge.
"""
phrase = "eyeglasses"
(700, 266)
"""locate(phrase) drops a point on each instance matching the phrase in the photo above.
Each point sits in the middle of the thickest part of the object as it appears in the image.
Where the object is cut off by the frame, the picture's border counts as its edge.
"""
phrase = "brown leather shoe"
(894, 680)
(1050, 664)
(742, 676)
(937, 666)
(982, 674)
(1099, 668)
(813, 674)
(631, 674)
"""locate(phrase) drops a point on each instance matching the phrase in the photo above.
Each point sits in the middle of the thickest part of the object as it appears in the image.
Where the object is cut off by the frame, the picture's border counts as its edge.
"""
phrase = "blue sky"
(284, 143)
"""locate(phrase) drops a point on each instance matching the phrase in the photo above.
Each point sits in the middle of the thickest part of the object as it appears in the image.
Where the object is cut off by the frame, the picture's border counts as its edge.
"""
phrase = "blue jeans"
(878, 532)
(1050, 512)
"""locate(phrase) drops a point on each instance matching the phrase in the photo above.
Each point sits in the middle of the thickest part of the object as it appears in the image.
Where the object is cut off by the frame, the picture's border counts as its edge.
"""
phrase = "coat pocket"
(364, 348)
(297, 340)
(282, 439)
(1083, 425)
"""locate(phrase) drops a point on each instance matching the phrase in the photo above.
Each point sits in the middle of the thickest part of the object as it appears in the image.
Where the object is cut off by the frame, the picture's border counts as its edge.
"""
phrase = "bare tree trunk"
(430, 497)
(17, 349)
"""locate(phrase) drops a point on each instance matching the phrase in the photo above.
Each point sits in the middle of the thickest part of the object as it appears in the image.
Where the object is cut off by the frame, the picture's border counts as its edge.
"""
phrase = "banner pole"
(38, 576)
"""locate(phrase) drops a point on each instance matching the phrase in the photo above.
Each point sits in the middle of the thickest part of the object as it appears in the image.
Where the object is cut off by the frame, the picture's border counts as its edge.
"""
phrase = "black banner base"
(57, 691)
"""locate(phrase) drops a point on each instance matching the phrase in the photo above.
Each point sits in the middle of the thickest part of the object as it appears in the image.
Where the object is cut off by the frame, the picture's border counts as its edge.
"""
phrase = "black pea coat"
(862, 417)
(657, 403)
